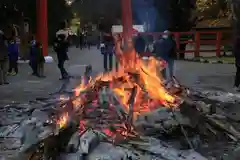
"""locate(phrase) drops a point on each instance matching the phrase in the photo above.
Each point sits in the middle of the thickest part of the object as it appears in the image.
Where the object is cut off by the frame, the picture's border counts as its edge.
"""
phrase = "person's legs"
(110, 58)
(170, 73)
(116, 63)
(64, 73)
(170, 68)
(237, 77)
(10, 67)
(41, 70)
(60, 66)
(33, 65)
(15, 66)
(182, 49)
(80, 44)
(105, 61)
(1, 73)
(4, 72)
(89, 45)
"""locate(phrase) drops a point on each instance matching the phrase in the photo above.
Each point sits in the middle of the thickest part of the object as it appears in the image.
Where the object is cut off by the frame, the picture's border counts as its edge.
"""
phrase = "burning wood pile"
(129, 114)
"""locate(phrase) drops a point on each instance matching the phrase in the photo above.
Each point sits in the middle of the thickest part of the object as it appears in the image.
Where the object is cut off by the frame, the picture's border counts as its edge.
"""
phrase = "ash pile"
(107, 131)
(96, 124)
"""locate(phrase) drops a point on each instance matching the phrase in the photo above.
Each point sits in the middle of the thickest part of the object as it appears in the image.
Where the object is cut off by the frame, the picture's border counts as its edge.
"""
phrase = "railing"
(197, 39)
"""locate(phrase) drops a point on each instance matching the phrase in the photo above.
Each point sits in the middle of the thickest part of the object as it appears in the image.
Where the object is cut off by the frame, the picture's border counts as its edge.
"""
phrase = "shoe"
(9, 73)
(13, 74)
(6, 83)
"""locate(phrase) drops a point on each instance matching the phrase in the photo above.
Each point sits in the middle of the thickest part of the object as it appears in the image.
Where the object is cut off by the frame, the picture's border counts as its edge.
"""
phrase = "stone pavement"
(206, 76)
(25, 87)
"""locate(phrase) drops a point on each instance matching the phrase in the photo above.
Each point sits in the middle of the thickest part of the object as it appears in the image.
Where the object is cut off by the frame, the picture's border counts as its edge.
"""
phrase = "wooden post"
(42, 24)
(127, 19)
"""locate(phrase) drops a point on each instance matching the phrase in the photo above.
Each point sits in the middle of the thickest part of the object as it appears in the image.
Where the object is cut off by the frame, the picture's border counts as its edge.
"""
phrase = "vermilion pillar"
(42, 24)
(127, 19)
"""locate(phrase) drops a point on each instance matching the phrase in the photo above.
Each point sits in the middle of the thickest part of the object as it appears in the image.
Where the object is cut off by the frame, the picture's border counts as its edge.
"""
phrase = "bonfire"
(137, 86)
(125, 113)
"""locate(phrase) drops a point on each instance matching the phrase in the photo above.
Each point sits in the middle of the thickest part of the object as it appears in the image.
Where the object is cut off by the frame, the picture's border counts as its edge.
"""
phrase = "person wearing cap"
(166, 49)
(3, 59)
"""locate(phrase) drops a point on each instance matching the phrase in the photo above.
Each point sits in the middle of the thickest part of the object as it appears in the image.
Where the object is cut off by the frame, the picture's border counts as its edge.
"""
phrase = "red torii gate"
(42, 22)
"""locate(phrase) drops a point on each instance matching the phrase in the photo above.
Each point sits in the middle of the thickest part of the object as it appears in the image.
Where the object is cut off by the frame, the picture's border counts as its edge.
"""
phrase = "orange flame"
(148, 80)
(62, 122)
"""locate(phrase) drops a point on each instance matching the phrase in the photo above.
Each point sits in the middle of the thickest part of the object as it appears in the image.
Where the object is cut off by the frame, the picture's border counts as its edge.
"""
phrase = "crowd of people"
(9, 55)
(164, 48)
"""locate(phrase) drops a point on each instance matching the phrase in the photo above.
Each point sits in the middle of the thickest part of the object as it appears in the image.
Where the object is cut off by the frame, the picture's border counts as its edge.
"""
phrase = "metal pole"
(42, 24)
(127, 19)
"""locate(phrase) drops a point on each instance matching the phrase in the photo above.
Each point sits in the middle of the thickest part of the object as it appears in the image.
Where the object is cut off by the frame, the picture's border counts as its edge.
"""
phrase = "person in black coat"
(140, 44)
(61, 45)
(3, 59)
(166, 49)
(108, 45)
(236, 53)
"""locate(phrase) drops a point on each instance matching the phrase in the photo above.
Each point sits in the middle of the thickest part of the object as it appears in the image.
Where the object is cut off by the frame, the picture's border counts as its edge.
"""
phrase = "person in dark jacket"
(80, 38)
(237, 64)
(140, 44)
(107, 45)
(37, 59)
(33, 56)
(40, 60)
(166, 49)
(3, 59)
(61, 48)
(13, 52)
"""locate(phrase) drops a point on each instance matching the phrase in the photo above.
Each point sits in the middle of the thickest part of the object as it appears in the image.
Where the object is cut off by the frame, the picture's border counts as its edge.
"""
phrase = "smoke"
(154, 16)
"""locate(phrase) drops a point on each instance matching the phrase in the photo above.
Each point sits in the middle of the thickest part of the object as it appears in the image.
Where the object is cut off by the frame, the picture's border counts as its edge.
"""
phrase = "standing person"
(3, 59)
(166, 49)
(33, 56)
(108, 44)
(172, 56)
(40, 60)
(80, 38)
(140, 44)
(13, 52)
(36, 58)
(61, 45)
(237, 64)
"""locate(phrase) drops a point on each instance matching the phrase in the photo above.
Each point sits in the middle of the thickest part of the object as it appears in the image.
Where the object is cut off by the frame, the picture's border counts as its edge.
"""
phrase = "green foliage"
(92, 10)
